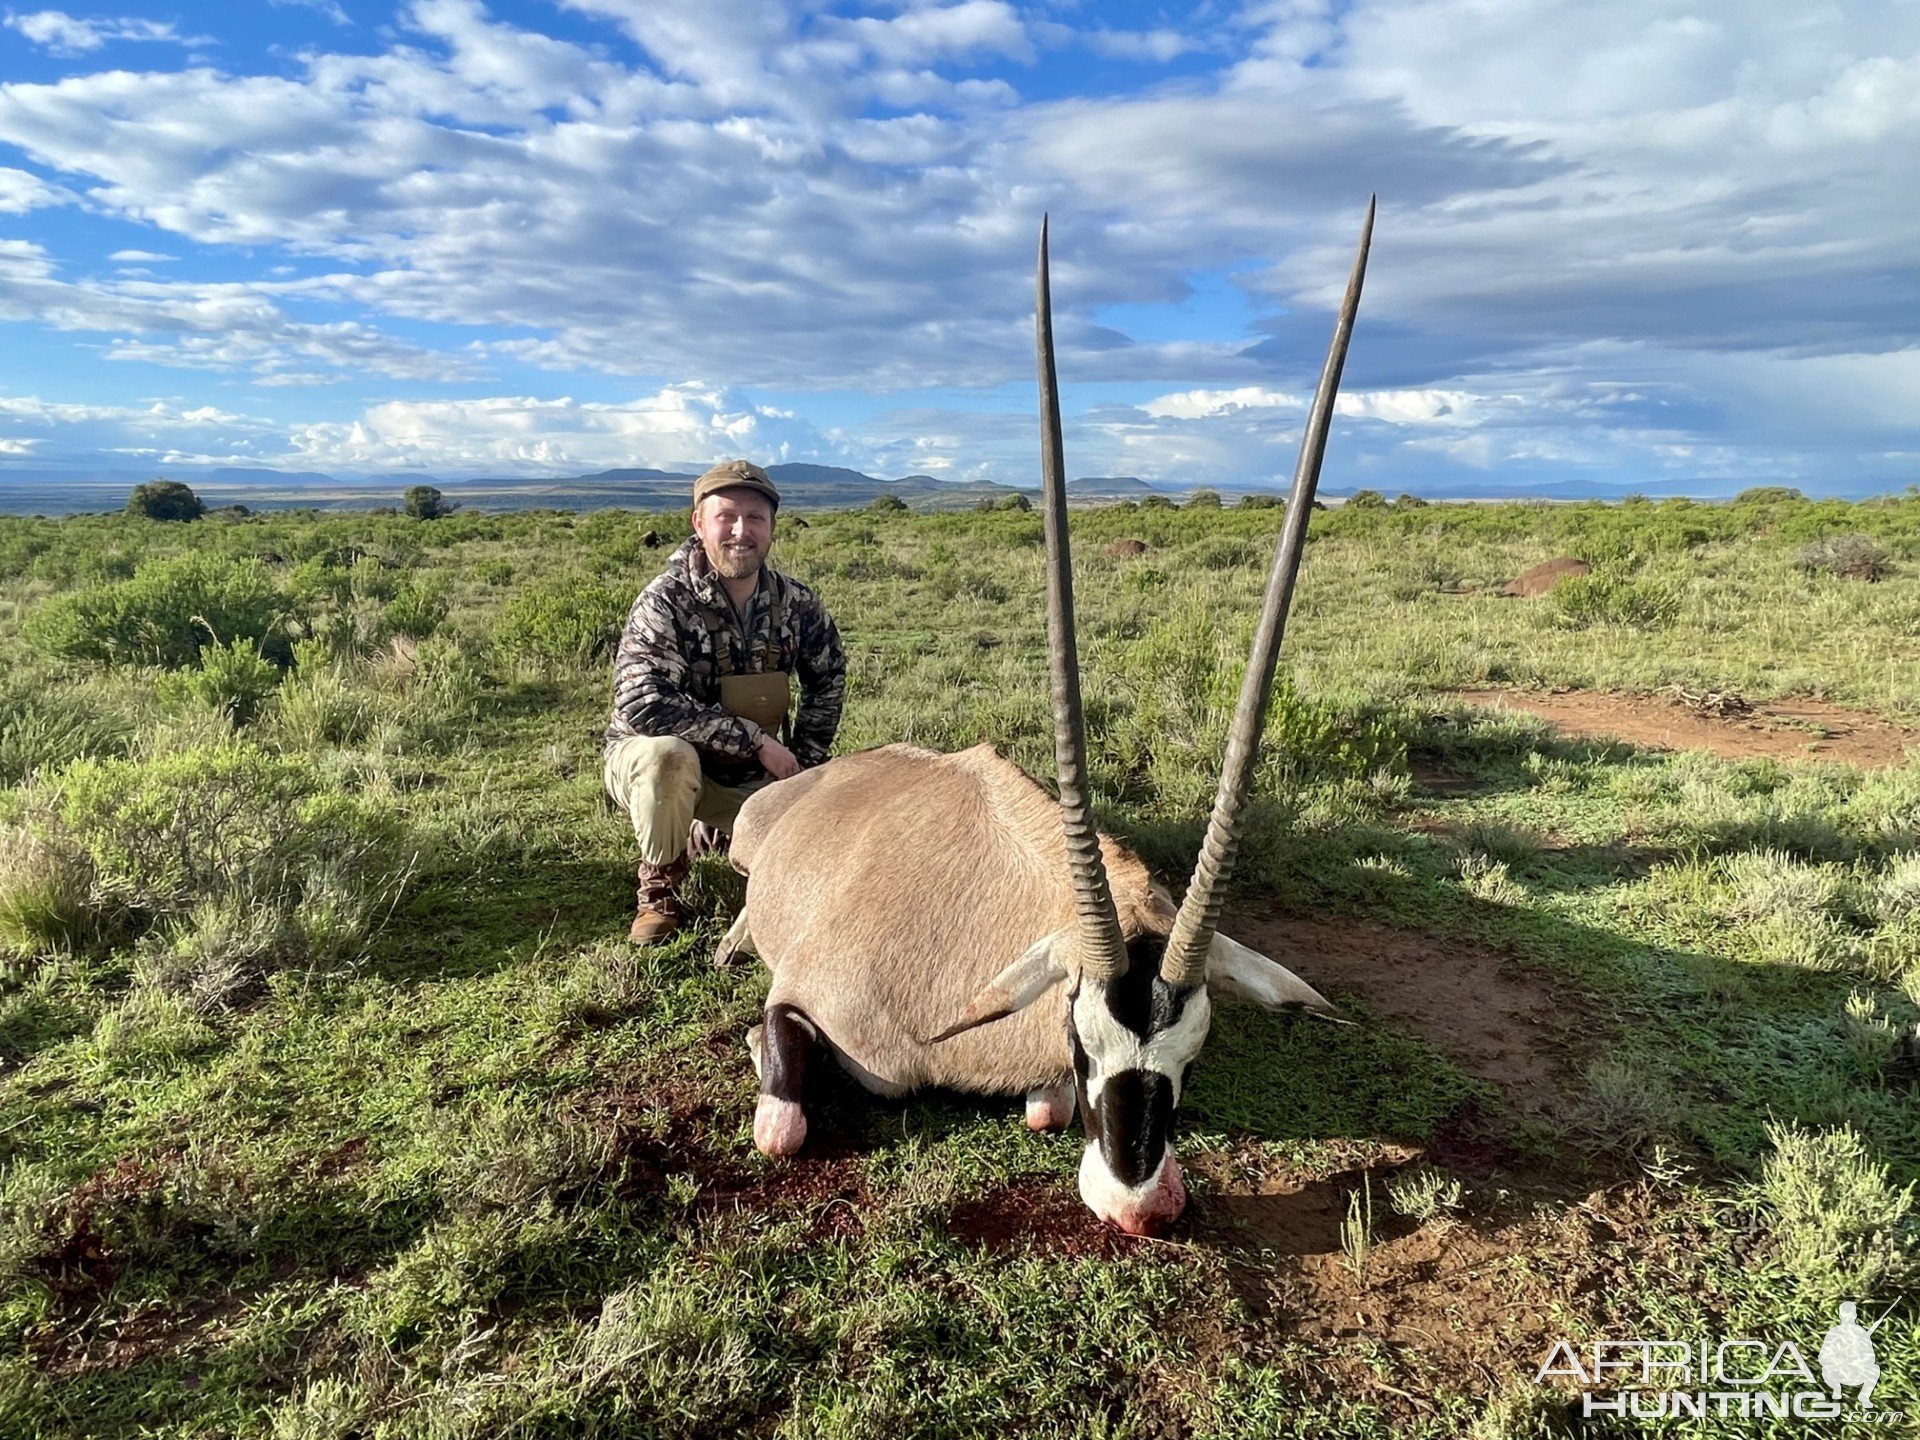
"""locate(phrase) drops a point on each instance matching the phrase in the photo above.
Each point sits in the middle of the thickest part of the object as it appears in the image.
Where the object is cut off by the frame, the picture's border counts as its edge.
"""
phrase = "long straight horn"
(1103, 955)
(1185, 959)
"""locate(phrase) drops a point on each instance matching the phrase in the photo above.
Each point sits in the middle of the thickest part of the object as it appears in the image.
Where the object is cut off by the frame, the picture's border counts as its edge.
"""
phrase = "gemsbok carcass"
(934, 920)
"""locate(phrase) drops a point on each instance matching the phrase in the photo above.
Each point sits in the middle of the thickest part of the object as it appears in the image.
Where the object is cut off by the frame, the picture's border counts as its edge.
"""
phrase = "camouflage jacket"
(683, 634)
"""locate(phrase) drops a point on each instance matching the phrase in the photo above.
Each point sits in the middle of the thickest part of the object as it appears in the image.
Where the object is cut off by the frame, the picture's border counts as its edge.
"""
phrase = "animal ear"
(1236, 973)
(1014, 988)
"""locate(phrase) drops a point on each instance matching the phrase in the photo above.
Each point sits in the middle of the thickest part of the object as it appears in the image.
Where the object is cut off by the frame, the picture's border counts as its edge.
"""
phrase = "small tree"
(1015, 501)
(426, 503)
(885, 504)
(1155, 502)
(1204, 500)
(165, 500)
(1261, 500)
(1366, 500)
(1406, 501)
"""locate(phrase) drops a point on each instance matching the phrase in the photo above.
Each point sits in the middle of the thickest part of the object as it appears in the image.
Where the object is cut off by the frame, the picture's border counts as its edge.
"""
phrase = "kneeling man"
(703, 686)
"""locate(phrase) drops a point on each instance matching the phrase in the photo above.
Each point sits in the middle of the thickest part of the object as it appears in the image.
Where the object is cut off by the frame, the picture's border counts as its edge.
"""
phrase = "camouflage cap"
(735, 475)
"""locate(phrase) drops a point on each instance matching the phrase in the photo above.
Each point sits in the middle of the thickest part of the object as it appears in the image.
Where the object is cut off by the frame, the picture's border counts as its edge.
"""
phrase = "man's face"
(736, 530)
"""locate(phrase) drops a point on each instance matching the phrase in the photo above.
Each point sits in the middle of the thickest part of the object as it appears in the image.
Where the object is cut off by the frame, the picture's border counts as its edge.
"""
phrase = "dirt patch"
(1782, 729)
(1042, 1215)
(1494, 1019)
(1483, 1295)
(1432, 780)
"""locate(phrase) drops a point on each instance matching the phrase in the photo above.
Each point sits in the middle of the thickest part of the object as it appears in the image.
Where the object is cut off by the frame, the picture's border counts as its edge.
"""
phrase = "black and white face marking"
(1133, 1041)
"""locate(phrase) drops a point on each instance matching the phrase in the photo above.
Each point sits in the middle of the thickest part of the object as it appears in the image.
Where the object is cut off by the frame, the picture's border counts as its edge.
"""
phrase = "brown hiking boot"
(657, 915)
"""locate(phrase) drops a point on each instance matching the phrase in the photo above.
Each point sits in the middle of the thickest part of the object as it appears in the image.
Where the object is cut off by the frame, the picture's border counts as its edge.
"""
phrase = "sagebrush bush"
(46, 889)
(419, 606)
(212, 955)
(1773, 883)
(1607, 598)
(1840, 1228)
(234, 680)
(1897, 891)
(166, 614)
(1852, 557)
(230, 819)
(1625, 1107)
(43, 728)
(561, 621)
(316, 706)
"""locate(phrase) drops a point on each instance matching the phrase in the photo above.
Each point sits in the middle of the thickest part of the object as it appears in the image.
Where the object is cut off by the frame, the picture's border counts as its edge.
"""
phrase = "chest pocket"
(765, 653)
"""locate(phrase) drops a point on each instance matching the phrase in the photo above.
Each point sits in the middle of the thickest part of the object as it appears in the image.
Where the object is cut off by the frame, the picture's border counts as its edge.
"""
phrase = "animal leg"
(735, 943)
(1050, 1107)
(788, 1041)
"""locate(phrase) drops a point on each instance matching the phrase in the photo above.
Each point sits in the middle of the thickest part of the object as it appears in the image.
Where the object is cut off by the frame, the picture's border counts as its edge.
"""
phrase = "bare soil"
(1795, 729)
(1483, 1295)
(1495, 1019)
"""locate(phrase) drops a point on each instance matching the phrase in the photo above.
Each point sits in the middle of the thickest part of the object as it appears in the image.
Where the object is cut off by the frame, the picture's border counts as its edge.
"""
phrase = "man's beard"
(736, 564)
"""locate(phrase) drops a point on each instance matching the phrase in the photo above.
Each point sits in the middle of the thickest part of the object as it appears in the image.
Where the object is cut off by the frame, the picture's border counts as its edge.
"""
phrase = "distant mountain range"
(42, 491)
(802, 486)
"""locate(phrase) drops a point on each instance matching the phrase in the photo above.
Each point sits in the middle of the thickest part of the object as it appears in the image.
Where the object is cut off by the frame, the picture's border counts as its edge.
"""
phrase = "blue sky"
(1645, 243)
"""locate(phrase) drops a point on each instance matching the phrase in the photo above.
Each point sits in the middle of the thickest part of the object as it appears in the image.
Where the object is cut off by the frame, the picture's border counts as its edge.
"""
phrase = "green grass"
(333, 1102)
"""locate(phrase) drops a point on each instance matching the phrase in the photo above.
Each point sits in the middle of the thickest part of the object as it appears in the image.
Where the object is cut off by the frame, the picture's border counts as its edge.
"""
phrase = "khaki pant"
(657, 780)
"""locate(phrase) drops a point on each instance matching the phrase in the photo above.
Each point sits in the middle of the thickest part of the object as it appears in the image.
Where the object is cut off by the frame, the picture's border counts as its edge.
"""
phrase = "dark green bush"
(1610, 598)
(1016, 501)
(165, 500)
(419, 606)
(885, 504)
(423, 502)
(234, 679)
(562, 621)
(166, 614)
(1204, 500)
(168, 833)
(1366, 500)
(43, 727)
(1261, 500)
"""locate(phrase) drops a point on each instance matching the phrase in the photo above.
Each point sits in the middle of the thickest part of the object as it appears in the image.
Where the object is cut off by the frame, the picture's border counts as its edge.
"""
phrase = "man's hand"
(776, 757)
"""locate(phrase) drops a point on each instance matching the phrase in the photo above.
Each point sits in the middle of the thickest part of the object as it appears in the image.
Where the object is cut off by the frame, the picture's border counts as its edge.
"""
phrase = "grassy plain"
(334, 1103)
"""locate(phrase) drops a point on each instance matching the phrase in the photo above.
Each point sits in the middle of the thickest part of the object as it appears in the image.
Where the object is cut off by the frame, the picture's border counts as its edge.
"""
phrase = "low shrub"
(1839, 1227)
(42, 728)
(224, 820)
(1609, 598)
(316, 707)
(562, 621)
(419, 606)
(1851, 557)
(46, 888)
(235, 680)
(166, 614)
